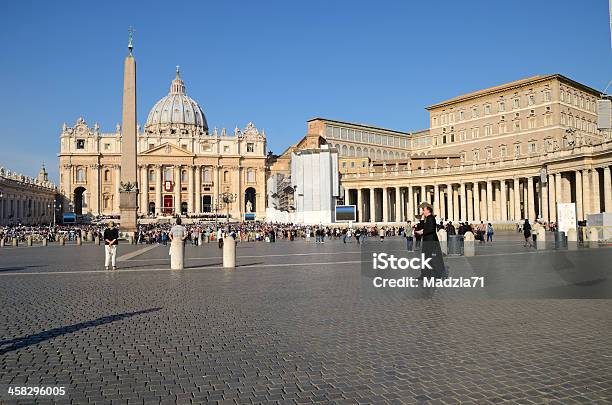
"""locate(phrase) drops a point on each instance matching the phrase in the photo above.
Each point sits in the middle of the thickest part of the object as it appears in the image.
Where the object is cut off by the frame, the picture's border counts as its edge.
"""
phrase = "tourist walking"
(409, 232)
(178, 234)
(431, 245)
(490, 233)
(527, 233)
(111, 240)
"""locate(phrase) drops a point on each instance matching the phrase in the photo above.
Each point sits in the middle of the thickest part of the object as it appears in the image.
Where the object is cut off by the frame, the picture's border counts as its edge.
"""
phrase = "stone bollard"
(2, 242)
(29, 241)
(443, 238)
(593, 238)
(541, 239)
(90, 236)
(79, 242)
(572, 239)
(131, 239)
(97, 240)
(469, 244)
(15, 242)
(229, 252)
(45, 242)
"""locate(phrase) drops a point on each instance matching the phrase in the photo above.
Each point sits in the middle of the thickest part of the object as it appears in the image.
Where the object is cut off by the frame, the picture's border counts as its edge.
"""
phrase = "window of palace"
(329, 132)
(250, 176)
(225, 176)
(343, 133)
(183, 176)
(461, 115)
(475, 112)
(488, 130)
(502, 128)
(503, 151)
(363, 163)
(517, 125)
(250, 147)
(107, 146)
(562, 95)
(487, 109)
(532, 147)
(336, 132)
(531, 123)
(344, 165)
(476, 155)
(226, 148)
(475, 133)
(547, 96)
(462, 135)
(531, 99)
(434, 121)
(106, 175)
(489, 153)
(184, 146)
(352, 165)
(501, 106)
(516, 103)
(517, 150)
(80, 143)
(151, 176)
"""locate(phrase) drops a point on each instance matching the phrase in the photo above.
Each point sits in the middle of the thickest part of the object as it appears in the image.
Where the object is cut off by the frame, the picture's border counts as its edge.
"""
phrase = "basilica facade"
(183, 166)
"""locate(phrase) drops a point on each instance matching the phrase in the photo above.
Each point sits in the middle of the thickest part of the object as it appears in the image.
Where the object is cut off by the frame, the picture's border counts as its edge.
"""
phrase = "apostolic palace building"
(184, 167)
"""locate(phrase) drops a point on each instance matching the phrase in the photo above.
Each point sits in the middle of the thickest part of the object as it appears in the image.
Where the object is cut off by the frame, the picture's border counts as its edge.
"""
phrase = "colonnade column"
(490, 215)
(423, 198)
(517, 199)
(544, 194)
(347, 194)
(607, 186)
(398, 205)
(385, 205)
(596, 196)
(359, 216)
(552, 199)
(410, 196)
(450, 202)
(442, 212)
(470, 203)
(456, 205)
(530, 199)
(463, 216)
(476, 190)
(372, 205)
(579, 201)
(436, 201)
(158, 189)
(558, 195)
(190, 209)
(503, 205)
(198, 190)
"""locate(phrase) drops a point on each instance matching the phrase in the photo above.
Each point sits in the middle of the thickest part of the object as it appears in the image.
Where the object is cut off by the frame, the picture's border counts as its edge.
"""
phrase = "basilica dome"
(176, 110)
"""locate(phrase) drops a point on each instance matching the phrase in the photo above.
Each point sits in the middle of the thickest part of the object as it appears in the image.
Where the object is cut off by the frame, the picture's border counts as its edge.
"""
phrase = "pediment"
(167, 149)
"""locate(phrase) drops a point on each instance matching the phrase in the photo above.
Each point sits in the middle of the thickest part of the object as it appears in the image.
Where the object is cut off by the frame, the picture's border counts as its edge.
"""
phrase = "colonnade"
(533, 196)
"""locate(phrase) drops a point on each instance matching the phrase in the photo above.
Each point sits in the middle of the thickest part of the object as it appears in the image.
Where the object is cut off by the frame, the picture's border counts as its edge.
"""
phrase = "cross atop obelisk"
(128, 200)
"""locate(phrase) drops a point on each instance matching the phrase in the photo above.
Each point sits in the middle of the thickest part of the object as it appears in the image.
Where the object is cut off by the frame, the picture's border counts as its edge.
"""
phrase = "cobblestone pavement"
(295, 323)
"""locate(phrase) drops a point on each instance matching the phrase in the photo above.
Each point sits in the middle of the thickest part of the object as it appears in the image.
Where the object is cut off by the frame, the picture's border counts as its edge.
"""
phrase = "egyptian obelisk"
(128, 200)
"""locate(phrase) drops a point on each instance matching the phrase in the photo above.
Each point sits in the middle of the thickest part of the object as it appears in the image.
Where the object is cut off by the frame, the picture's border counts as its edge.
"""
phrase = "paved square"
(298, 323)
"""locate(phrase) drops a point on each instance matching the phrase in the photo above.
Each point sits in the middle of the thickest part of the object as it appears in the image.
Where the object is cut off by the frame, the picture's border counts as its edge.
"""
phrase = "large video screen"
(346, 213)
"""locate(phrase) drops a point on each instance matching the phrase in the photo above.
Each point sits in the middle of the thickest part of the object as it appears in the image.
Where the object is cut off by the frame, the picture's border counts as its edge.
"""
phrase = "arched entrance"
(79, 200)
(249, 197)
(183, 208)
(151, 208)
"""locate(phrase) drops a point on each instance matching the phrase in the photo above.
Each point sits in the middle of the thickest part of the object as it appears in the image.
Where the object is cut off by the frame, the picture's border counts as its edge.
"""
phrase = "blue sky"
(278, 63)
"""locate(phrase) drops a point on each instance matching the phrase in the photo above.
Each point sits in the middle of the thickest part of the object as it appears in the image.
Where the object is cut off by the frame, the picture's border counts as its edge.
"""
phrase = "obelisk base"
(128, 209)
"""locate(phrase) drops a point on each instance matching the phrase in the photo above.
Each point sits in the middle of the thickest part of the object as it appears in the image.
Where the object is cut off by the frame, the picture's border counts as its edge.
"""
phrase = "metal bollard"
(229, 252)
(45, 242)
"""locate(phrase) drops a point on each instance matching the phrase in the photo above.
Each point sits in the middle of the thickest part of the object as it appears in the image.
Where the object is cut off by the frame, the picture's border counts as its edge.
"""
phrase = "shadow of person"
(28, 340)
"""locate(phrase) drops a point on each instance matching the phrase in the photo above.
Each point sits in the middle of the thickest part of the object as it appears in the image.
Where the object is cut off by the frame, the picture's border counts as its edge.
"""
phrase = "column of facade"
(440, 195)
(117, 185)
(607, 187)
(94, 198)
(398, 205)
(372, 205)
(423, 196)
(436, 201)
(177, 189)
(596, 196)
(530, 199)
(190, 193)
(385, 205)
(558, 194)
(198, 190)
(144, 189)
(455, 204)
(158, 189)
(579, 202)
(552, 199)
(450, 202)
(347, 194)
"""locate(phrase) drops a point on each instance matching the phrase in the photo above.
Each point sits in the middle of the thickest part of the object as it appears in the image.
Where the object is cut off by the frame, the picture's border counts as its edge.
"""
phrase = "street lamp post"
(228, 198)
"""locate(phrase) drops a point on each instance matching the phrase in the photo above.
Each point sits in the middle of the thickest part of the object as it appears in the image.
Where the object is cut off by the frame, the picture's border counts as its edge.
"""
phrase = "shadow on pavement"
(17, 268)
(28, 340)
